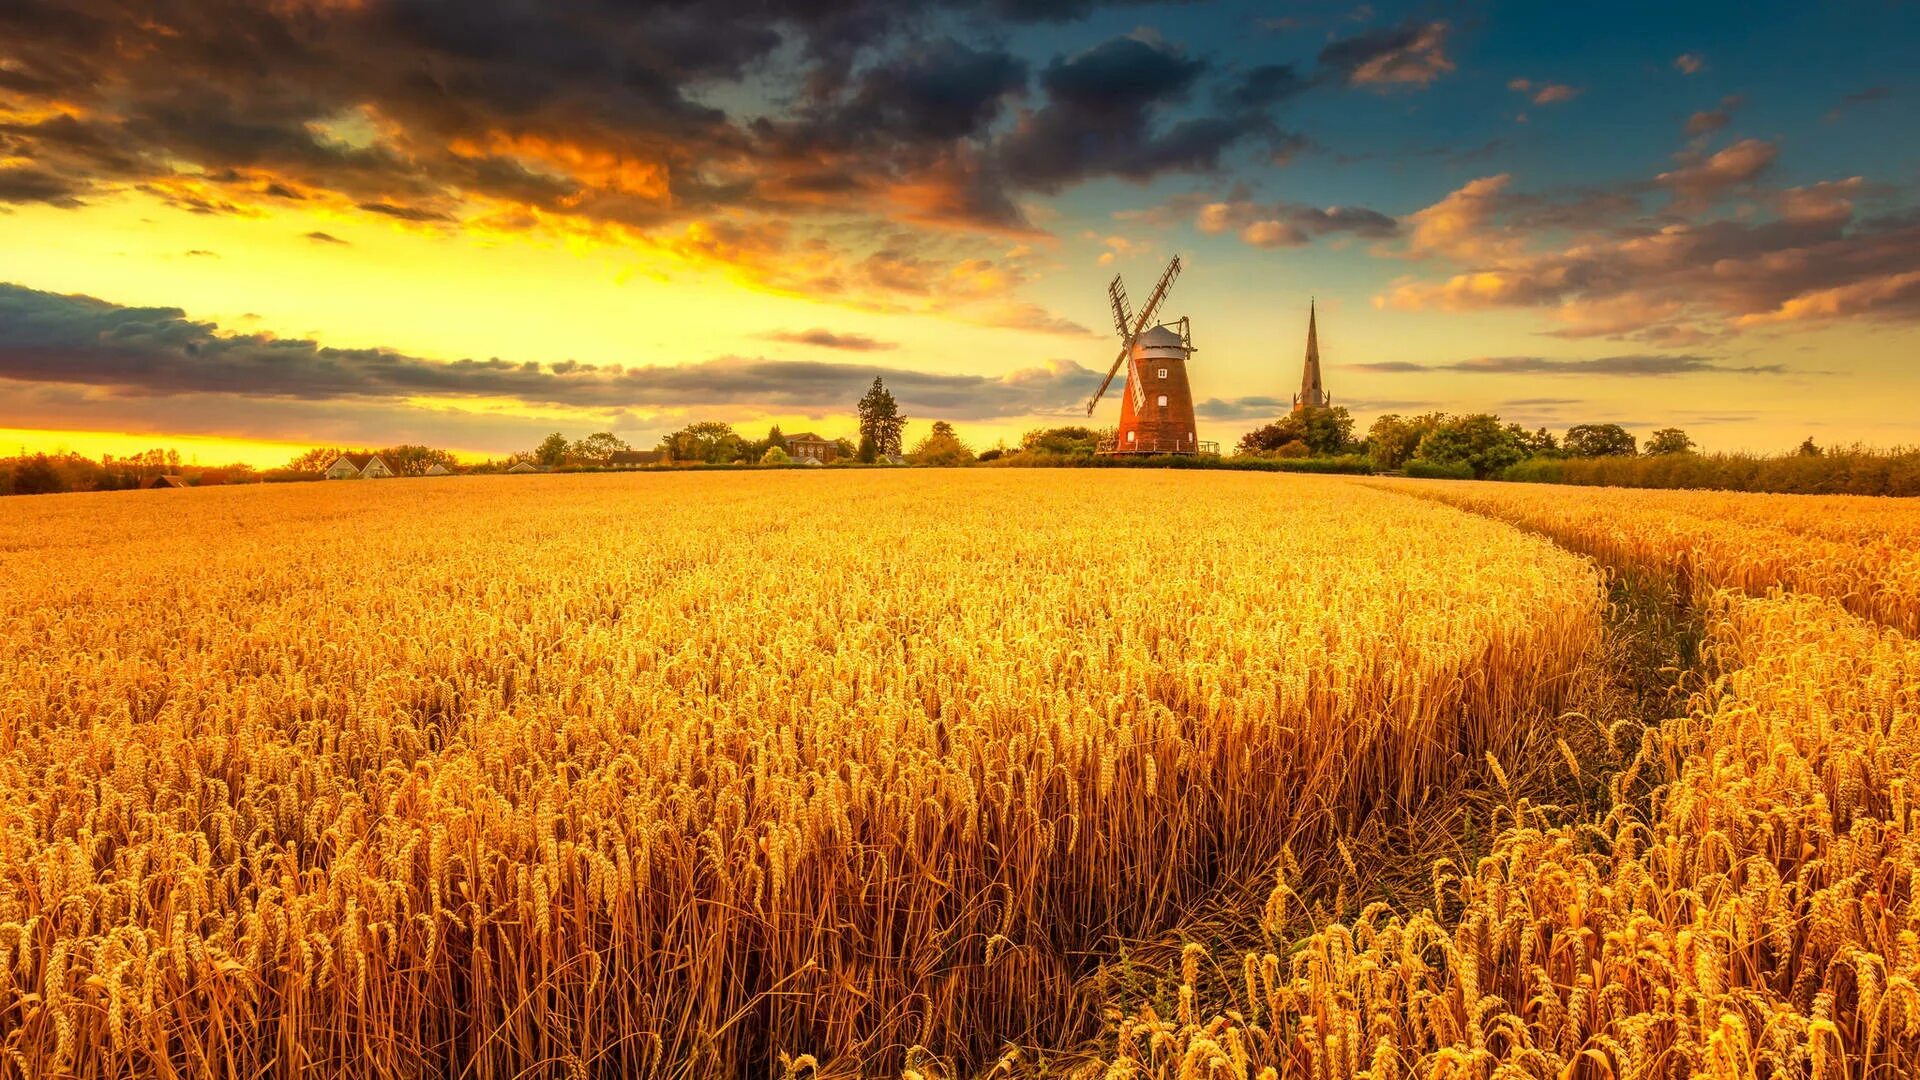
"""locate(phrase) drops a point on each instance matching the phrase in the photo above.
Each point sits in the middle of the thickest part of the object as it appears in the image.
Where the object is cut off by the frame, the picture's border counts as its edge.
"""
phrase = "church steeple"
(1313, 394)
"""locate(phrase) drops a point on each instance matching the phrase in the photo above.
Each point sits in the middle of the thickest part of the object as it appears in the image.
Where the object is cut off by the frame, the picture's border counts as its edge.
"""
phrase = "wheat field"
(675, 775)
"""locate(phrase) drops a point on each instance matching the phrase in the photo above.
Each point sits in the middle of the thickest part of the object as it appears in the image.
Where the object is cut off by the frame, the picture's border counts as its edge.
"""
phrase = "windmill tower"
(1313, 393)
(1156, 415)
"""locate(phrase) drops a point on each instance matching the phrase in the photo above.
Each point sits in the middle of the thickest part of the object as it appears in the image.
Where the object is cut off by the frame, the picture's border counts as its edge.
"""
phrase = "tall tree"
(1478, 441)
(707, 440)
(942, 447)
(1393, 439)
(313, 461)
(1669, 440)
(597, 447)
(552, 450)
(880, 418)
(1599, 440)
(410, 459)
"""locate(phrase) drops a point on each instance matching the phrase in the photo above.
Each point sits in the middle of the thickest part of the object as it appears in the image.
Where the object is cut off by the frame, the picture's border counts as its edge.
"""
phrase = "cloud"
(1858, 97)
(1689, 63)
(1708, 121)
(319, 237)
(1639, 364)
(1545, 93)
(1708, 179)
(1104, 117)
(827, 339)
(134, 353)
(1268, 84)
(1283, 224)
(1411, 54)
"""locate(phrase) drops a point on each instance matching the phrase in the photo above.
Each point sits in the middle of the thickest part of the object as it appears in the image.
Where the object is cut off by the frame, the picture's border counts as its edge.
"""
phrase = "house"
(525, 467)
(164, 482)
(357, 467)
(808, 447)
(436, 469)
(633, 459)
(892, 459)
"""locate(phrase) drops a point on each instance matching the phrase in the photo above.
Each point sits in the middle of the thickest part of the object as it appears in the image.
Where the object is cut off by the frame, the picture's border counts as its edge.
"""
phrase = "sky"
(247, 227)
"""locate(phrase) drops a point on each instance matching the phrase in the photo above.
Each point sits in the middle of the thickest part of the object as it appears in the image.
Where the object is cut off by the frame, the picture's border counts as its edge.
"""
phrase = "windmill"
(1156, 417)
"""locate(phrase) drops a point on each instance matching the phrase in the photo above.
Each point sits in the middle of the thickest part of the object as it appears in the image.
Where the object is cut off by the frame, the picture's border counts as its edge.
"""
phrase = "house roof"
(437, 469)
(164, 482)
(359, 461)
(524, 467)
(806, 436)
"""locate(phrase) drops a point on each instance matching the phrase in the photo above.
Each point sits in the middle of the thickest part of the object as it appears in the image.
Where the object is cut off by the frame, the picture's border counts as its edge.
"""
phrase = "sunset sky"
(246, 228)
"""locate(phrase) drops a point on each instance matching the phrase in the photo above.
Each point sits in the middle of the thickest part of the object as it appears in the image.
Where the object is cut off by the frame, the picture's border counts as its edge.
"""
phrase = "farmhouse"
(436, 469)
(808, 448)
(358, 467)
(525, 467)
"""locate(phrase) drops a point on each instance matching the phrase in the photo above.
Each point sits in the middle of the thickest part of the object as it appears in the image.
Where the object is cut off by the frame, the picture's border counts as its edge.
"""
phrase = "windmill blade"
(1140, 325)
(1122, 317)
(1128, 335)
(1126, 349)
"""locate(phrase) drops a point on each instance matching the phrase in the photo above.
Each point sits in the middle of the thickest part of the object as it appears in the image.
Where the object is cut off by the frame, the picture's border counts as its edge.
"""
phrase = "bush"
(1845, 471)
(775, 456)
(1435, 470)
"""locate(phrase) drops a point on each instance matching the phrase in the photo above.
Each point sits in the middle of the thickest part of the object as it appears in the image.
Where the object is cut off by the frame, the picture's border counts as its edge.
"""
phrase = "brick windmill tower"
(1156, 415)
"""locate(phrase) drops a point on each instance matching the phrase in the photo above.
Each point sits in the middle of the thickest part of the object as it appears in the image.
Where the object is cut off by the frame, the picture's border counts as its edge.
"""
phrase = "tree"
(597, 447)
(942, 447)
(1669, 440)
(774, 439)
(707, 440)
(880, 418)
(1477, 441)
(842, 449)
(1061, 441)
(1267, 438)
(1327, 431)
(552, 450)
(775, 456)
(1537, 443)
(1600, 440)
(1393, 439)
(1808, 448)
(869, 451)
(315, 460)
(410, 459)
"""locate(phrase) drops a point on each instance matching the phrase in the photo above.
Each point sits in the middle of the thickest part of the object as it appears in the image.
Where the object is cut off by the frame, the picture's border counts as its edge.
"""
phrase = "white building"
(358, 467)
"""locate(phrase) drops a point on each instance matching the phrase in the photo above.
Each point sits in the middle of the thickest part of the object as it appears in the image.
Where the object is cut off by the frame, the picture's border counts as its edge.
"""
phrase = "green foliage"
(1850, 471)
(1350, 464)
(1477, 441)
(313, 461)
(775, 456)
(1434, 470)
(596, 448)
(1669, 440)
(1599, 440)
(552, 450)
(1324, 433)
(1809, 448)
(412, 459)
(1063, 441)
(1393, 439)
(942, 447)
(869, 451)
(880, 419)
(708, 440)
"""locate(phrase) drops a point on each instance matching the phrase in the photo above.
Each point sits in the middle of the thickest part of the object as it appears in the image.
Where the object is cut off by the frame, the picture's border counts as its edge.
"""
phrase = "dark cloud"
(319, 237)
(129, 352)
(1267, 85)
(1411, 54)
(28, 184)
(1708, 121)
(827, 339)
(1642, 364)
(1104, 117)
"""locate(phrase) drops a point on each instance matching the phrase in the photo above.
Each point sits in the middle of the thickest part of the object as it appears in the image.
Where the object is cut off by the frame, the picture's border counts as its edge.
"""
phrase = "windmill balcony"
(1108, 446)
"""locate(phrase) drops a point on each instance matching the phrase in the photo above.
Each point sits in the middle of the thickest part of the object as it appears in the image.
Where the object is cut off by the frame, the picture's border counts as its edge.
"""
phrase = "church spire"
(1313, 394)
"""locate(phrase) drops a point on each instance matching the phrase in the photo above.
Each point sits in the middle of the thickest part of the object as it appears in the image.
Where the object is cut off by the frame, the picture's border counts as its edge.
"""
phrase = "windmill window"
(1163, 401)
(1163, 373)
(1129, 436)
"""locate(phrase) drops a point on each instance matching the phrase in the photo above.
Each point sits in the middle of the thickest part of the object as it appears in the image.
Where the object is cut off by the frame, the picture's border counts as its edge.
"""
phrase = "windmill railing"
(1110, 445)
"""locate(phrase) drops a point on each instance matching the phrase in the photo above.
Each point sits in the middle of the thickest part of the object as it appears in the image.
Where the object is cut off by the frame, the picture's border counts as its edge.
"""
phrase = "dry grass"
(555, 776)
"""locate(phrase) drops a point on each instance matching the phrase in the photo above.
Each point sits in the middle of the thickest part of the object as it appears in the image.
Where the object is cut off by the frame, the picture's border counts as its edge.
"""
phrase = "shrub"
(1438, 470)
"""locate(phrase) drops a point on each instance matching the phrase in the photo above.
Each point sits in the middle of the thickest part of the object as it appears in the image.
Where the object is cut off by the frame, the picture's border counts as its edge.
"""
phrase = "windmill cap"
(1160, 338)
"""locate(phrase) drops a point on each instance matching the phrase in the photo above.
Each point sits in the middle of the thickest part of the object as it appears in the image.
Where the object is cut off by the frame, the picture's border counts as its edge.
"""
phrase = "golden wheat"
(675, 775)
(1754, 916)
